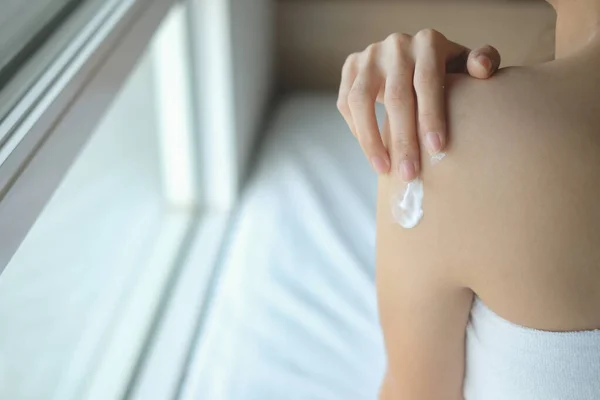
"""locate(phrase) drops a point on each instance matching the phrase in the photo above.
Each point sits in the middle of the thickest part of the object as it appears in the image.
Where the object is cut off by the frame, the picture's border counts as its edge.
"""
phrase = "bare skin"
(511, 215)
(406, 73)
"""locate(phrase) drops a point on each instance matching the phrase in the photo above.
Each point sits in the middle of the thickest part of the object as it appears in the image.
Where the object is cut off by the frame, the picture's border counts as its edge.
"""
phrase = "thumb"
(484, 62)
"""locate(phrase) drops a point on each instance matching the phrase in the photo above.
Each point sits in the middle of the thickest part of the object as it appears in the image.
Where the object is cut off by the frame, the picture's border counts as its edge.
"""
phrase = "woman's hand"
(407, 74)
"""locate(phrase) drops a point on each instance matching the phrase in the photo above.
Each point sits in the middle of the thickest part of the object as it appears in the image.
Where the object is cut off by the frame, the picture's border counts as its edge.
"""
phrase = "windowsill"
(136, 312)
(166, 364)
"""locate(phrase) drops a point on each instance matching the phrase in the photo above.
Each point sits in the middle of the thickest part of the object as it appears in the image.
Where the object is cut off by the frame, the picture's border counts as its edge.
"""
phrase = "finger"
(361, 100)
(400, 107)
(385, 131)
(456, 57)
(483, 62)
(429, 83)
(348, 77)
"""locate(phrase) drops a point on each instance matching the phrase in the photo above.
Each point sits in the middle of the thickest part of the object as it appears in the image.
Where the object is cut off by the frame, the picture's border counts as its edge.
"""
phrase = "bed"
(295, 312)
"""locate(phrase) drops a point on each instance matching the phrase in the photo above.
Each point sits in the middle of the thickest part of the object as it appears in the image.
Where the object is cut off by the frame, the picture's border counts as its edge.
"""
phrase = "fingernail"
(434, 143)
(380, 165)
(485, 62)
(408, 170)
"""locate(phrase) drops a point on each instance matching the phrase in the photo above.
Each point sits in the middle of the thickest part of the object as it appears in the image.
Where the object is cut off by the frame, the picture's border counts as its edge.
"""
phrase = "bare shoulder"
(481, 172)
(515, 201)
(506, 216)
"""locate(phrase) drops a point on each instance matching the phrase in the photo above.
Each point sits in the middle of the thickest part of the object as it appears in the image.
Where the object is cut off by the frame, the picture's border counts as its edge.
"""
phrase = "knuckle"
(342, 105)
(401, 39)
(370, 54)
(352, 58)
(395, 95)
(350, 64)
(400, 48)
(430, 36)
(371, 48)
(358, 97)
(346, 74)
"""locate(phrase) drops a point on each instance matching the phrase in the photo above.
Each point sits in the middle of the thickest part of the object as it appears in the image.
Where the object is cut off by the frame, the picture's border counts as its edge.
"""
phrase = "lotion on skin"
(407, 208)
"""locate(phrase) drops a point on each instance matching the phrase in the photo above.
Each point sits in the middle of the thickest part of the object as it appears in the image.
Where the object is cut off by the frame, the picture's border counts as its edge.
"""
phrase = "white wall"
(233, 54)
(253, 60)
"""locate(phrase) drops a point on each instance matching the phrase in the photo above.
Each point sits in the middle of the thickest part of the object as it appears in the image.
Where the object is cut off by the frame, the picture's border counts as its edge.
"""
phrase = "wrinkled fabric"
(295, 312)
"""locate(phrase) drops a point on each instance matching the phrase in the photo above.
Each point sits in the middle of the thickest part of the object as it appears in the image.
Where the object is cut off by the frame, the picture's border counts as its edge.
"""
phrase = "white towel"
(505, 361)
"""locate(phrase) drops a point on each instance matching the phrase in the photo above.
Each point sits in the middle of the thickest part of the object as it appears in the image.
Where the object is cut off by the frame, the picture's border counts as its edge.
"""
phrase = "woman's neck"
(578, 25)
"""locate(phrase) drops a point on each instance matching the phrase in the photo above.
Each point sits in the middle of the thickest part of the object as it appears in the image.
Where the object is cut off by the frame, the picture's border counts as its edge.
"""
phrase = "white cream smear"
(407, 208)
(436, 158)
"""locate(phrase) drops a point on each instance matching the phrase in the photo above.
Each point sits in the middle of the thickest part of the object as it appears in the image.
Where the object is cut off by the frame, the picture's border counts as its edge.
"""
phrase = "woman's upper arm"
(423, 307)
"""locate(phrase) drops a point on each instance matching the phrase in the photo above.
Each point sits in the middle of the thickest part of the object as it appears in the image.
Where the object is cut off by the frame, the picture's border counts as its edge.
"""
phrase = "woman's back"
(528, 165)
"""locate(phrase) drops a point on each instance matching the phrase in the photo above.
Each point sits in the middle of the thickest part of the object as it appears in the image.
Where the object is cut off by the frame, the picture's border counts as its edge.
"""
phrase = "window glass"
(65, 286)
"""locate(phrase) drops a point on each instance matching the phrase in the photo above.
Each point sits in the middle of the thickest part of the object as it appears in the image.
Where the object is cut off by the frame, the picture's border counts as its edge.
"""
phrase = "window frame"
(45, 131)
(21, 47)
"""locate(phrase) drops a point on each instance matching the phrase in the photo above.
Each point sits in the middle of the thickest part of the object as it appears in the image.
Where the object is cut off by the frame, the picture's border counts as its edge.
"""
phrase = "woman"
(510, 224)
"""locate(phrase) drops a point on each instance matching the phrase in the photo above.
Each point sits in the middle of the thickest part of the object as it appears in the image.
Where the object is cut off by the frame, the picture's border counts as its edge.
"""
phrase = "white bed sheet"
(295, 310)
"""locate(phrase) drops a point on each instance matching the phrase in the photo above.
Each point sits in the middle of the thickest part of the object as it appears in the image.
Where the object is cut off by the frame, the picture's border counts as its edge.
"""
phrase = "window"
(67, 288)
(24, 26)
(123, 135)
(32, 35)
(99, 205)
